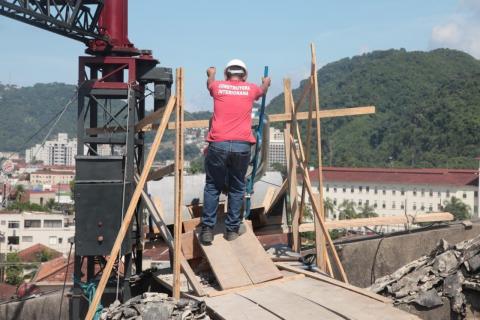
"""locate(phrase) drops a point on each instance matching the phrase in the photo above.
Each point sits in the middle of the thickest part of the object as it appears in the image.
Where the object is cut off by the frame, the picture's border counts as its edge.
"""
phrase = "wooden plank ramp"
(301, 299)
(240, 262)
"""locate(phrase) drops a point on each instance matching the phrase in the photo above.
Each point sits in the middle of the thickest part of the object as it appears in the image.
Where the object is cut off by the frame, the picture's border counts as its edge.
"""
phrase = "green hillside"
(428, 109)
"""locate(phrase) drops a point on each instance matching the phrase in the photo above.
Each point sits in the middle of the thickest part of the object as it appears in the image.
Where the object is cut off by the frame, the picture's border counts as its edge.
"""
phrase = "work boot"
(231, 235)
(206, 235)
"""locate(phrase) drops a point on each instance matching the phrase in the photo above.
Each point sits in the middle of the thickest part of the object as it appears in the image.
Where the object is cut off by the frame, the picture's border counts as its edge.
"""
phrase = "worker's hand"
(211, 71)
(266, 81)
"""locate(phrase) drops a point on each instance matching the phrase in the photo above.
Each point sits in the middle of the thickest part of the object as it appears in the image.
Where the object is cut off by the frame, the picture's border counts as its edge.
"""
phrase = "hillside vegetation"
(428, 109)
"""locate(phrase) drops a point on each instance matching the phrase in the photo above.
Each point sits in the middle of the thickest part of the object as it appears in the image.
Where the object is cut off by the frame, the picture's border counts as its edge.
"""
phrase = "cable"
(65, 282)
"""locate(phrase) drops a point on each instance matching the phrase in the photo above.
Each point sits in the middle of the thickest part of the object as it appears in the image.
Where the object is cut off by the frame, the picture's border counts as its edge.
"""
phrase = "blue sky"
(198, 33)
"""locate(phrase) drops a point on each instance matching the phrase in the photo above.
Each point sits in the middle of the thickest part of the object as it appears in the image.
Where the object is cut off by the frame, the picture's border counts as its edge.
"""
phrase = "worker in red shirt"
(230, 140)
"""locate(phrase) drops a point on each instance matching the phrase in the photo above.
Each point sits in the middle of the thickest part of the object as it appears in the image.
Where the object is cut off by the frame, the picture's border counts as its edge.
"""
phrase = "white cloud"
(461, 31)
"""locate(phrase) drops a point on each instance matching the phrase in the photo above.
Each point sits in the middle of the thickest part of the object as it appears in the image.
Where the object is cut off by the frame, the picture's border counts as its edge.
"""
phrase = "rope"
(89, 289)
(258, 146)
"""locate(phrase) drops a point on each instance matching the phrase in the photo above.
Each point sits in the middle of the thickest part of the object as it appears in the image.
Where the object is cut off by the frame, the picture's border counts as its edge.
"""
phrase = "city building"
(61, 151)
(276, 148)
(22, 230)
(399, 191)
(52, 177)
(9, 155)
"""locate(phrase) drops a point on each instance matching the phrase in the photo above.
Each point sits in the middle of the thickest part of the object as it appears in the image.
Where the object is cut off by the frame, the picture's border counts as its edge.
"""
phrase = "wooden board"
(235, 307)
(344, 302)
(225, 265)
(379, 221)
(190, 247)
(256, 262)
(287, 305)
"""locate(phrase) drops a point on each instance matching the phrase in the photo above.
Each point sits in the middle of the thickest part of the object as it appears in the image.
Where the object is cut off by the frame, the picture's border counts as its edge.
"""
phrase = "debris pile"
(446, 272)
(155, 306)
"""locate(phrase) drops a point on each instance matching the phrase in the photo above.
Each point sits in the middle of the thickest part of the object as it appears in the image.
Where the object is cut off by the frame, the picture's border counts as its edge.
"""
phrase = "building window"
(430, 208)
(60, 240)
(360, 188)
(448, 193)
(327, 188)
(394, 191)
(375, 205)
(475, 194)
(464, 195)
(414, 207)
(13, 224)
(335, 189)
(27, 239)
(439, 207)
(431, 193)
(375, 190)
(402, 206)
(13, 240)
(52, 240)
(402, 192)
(423, 192)
(422, 207)
(439, 194)
(351, 189)
(394, 205)
(384, 205)
(32, 224)
(52, 224)
(414, 191)
(367, 189)
(334, 201)
(344, 189)
(359, 202)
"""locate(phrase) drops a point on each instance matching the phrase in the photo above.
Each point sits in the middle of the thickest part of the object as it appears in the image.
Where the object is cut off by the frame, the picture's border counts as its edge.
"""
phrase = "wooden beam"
(382, 221)
(316, 210)
(130, 211)
(320, 246)
(178, 187)
(279, 117)
(326, 113)
(320, 277)
(146, 123)
(160, 173)
(277, 196)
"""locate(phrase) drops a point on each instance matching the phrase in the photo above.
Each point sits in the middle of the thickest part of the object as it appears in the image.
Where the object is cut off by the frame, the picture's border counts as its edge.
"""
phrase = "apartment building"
(52, 177)
(19, 231)
(61, 151)
(276, 148)
(396, 191)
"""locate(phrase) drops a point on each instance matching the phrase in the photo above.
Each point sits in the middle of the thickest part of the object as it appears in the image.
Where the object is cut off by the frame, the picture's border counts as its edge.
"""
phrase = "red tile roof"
(455, 177)
(31, 254)
(7, 291)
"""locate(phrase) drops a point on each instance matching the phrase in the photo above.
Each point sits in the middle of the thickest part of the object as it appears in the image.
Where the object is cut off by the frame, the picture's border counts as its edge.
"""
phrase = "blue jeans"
(226, 165)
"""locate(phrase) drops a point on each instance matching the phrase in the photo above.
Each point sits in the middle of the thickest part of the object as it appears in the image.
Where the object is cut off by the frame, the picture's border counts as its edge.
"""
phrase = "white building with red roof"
(396, 191)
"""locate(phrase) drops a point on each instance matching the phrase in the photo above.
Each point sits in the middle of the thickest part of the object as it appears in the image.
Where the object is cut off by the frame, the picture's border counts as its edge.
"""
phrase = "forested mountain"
(428, 109)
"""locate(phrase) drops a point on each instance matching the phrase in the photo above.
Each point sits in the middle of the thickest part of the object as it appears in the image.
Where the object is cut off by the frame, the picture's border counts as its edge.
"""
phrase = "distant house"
(35, 252)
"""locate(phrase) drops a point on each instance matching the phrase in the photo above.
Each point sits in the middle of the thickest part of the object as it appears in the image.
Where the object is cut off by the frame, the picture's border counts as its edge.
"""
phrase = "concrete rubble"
(447, 272)
(155, 306)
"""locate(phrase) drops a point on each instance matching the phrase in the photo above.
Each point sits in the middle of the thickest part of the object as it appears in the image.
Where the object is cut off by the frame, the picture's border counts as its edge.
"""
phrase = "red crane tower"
(113, 81)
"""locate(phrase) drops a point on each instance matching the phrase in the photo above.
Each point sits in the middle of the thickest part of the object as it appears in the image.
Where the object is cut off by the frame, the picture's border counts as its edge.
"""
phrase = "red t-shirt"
(232, 110)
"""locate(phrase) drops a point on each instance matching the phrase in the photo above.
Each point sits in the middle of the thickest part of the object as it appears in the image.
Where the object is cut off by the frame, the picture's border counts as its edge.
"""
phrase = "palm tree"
(367, 212)
(50, 204)
(460, 210)
(19, 192)
(347, 210)
(328, 207)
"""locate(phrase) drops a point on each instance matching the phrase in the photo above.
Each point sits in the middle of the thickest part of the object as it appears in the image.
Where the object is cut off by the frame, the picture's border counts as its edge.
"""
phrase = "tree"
(307, 212)
(367, 212)
(72, 189)
(15, 271)
(44, 255)
(280, 167)
(19, 192)
(197, 166)
(328, 207)
(460, 210)
(347, 210)
(50, 205)
(191, 151)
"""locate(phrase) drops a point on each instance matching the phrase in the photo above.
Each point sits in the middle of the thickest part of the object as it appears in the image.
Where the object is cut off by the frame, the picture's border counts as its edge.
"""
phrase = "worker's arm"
(211, 76)
(265, 84)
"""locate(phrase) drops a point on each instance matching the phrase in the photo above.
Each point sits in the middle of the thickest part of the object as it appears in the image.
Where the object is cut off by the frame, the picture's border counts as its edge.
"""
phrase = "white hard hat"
(237, 63)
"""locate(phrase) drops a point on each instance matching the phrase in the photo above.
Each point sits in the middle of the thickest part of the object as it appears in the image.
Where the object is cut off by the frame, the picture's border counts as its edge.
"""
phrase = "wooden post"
(178, 184)
(131, 210)
(292, 170)
(320, 246)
